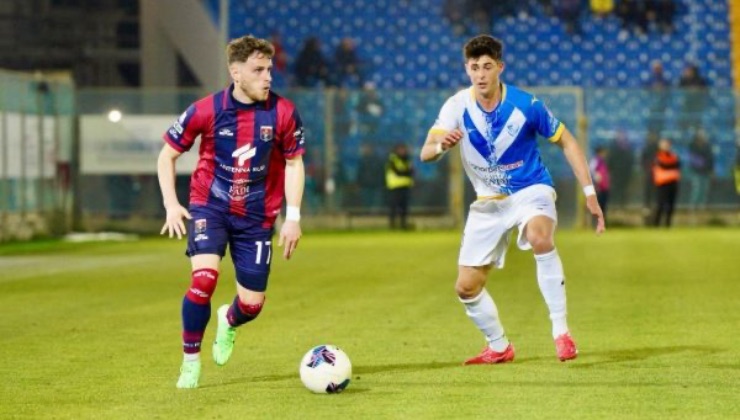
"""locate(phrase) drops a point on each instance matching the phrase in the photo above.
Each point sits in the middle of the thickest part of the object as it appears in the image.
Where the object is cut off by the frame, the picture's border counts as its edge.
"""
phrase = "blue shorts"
(211, 230)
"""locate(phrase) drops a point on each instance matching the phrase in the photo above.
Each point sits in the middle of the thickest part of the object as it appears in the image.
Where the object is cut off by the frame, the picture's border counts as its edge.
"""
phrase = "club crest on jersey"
(266, 132)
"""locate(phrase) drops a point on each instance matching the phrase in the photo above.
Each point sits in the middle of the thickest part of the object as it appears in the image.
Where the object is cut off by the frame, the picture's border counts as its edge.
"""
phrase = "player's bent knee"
(202, 284)
(468, 287)
(470, 281)
(251, 310)
(468, 291)
(541, 243)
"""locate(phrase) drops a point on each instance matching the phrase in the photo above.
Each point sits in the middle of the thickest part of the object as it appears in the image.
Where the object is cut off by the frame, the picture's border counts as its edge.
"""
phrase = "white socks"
(551, 279)
(190, 357)
(484, 314)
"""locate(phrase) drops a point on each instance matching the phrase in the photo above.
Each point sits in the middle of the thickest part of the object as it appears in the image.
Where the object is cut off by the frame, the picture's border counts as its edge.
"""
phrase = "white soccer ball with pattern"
(326, 369)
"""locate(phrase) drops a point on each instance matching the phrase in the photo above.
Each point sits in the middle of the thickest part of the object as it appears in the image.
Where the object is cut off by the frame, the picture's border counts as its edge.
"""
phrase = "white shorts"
(491, 221)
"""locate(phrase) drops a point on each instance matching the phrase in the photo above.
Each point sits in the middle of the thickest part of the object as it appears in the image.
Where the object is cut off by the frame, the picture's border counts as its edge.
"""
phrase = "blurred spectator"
(661, 12)
(600, 173)
(602, 8)
(480, 13)
(546, 6)
(343, 115)
(314, 189)
(649, 150)
(666, 175)
(701, 167)
(370, 177)
(695, 98)
(399, 178)
(369, 110)
(485, 12)
(569, 11)
(620, 164)
(454, 11)
(311, 69)
(279, 61)
(659, 94)
(348, 65)
(633, 15)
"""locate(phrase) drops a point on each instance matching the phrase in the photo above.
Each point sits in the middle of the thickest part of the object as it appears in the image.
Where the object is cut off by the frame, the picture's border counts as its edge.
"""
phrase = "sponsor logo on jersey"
(238, 192)
(225, 132)
(299, 135)
(244, 153)
(266, 132)
(512, 129)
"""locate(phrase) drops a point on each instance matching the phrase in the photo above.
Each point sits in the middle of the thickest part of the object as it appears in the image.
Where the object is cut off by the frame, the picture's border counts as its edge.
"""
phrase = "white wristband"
(589, 190)
(293, 213)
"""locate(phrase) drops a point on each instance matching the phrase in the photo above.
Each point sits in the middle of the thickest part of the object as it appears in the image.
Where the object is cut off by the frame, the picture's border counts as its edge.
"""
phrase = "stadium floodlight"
(114, 115)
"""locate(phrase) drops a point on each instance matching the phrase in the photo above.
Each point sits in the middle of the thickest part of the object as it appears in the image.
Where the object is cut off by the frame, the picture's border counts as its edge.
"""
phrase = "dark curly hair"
(483, 45)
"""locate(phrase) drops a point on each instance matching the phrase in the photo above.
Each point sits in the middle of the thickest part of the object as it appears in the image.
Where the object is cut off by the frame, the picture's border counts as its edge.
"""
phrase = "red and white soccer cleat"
(566, 347)
(489, 357)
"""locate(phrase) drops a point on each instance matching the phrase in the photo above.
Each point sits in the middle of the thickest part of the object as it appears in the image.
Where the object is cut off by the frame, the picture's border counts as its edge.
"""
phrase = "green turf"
(93, 331)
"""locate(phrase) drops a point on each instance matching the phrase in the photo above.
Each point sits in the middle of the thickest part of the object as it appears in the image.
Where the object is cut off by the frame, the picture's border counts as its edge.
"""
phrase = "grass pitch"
(93, 331)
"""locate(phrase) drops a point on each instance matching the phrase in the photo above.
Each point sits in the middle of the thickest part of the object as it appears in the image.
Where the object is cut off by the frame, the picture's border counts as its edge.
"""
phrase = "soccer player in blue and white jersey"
(496, 126)
(250, 157)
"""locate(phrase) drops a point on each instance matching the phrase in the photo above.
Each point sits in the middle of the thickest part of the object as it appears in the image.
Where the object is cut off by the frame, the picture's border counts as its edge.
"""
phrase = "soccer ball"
(325, 369)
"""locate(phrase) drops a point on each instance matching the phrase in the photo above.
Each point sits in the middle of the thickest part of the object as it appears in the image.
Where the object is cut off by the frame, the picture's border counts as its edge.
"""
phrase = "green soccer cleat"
(225, 336)
(189, 374)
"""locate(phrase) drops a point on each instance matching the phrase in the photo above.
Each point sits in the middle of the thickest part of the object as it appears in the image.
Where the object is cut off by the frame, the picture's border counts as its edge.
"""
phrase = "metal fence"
(37, 120)
(349, 135)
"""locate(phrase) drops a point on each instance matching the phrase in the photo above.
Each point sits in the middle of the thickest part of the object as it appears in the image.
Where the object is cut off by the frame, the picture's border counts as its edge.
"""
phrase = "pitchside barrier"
(349, 135)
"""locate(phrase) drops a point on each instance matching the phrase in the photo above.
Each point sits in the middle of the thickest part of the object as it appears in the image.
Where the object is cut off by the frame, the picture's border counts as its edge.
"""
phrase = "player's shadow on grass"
(357, 372)
(407, 367)
(642, 353)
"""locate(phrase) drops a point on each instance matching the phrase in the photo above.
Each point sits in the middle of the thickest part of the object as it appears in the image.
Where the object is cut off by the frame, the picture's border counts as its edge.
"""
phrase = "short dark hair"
(240, 49)
(483, 45)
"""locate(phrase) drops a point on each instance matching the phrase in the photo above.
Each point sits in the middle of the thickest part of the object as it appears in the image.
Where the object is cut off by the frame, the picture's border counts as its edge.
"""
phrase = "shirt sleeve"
(447, 120)
(545, 123)
(183, 132)
(292, 139)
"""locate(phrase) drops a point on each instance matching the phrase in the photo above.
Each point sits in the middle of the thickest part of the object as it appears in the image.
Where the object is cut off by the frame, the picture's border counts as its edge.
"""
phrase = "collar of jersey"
(498, 106)
(232, 102)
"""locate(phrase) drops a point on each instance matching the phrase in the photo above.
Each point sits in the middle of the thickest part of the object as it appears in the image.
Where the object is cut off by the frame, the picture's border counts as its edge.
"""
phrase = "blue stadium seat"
(410, 45)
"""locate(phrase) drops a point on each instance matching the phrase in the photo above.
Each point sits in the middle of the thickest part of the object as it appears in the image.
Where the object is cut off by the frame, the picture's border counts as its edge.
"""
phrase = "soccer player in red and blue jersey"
(250, 158)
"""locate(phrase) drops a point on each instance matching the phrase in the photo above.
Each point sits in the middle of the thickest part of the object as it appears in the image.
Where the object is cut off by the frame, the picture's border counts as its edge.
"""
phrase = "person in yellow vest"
(602, 8)
(399, 178)
(666, 175)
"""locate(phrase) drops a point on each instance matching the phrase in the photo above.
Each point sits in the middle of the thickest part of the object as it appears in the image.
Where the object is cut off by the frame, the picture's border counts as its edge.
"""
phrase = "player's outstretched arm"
(577, 161)
(438, 142)
(290, 233)
(173, 225)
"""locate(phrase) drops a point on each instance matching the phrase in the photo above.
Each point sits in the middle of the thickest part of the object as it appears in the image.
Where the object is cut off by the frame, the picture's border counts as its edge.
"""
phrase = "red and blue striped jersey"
(243, 148)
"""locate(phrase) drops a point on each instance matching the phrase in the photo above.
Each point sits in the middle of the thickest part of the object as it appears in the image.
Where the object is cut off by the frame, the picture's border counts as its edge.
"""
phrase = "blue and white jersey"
(499, 148)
